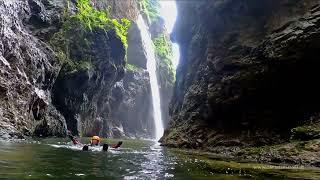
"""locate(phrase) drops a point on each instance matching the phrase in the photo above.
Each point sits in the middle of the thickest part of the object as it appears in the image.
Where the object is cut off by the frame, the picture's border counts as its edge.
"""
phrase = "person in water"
(95, 141)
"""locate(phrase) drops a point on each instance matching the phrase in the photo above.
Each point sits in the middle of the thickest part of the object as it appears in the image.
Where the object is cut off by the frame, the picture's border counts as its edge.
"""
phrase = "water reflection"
(135, 160)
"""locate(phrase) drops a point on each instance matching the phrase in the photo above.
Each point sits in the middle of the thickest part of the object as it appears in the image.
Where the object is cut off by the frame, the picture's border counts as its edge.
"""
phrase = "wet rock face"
(136, 52)
(82, 96)
(81, 101)
(119, 9)
(247, 72)
(131, 100)
(132, 105)
(166, 92)
(28, 70)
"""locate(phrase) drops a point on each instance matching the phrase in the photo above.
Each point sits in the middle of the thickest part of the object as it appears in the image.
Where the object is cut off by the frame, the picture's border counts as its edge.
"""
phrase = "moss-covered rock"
(131, 106)
(92, 48)
(306, 132)
(73, 43)
(243, 169)
(150, 8)
(163, 49)
(238, 70)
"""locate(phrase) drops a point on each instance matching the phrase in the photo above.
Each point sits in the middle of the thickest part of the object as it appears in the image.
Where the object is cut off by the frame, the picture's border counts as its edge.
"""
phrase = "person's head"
(95, 140)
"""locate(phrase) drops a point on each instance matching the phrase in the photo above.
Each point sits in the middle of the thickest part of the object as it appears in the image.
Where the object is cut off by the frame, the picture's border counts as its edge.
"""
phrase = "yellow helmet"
(95, 138)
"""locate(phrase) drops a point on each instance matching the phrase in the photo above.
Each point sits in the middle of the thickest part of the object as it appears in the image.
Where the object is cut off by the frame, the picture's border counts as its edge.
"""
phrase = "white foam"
(79, 148)
(91, 148)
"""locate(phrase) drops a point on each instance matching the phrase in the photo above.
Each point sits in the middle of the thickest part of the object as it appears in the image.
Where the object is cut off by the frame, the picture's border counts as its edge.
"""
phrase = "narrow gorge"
(229, 91)
(246, 82)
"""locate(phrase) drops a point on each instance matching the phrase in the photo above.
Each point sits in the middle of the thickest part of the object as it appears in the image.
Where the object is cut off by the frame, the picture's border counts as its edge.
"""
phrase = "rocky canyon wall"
(84, 95)
(247, 74)
(28, 69)
(58, 76)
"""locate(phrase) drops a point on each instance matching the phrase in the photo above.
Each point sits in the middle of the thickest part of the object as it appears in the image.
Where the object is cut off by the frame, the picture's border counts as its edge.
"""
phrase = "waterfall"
(151, 67)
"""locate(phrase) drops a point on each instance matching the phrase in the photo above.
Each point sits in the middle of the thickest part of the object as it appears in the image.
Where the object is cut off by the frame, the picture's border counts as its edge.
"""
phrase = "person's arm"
(73, 139)
(117, 145)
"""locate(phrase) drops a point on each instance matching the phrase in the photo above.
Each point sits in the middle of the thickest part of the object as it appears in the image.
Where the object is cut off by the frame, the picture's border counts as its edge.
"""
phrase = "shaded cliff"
(53, 46)
(247, 72)
(86, 92)
(63, 67)
(92, 46)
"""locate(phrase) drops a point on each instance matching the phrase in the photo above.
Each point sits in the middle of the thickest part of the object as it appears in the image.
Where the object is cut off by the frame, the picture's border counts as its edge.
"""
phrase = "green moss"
(306, 129)
(173, 134)
(285, 150)
(93, 18)
(253, 150)
(300, 129)
(163, 49)
(163, 46)
(244, 169)
(131, 67)
(73, 67)
(72, 43)
(151, 9)
(306, 132)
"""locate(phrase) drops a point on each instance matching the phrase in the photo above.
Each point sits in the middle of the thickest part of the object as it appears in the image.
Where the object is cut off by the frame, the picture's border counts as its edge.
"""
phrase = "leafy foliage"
(151, 9)
(72, 43)
(163, 49)
(93, 18)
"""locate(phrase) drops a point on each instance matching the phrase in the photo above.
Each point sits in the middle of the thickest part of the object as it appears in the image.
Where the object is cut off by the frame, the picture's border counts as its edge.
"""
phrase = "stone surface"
(247, 73)
(83, 96)
(29, 75)
(132, 104)
(136, 52)
(97, 101)
(119, 9)
(28, 69)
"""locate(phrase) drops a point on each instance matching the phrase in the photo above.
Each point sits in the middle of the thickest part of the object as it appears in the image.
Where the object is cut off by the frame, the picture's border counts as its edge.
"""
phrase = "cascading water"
(151, 67)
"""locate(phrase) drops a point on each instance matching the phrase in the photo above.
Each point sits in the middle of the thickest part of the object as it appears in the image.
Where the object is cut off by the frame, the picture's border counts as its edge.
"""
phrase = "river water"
(136, 159)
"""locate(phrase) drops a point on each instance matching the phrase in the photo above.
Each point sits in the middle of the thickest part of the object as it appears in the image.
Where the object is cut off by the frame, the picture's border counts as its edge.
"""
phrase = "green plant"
(72, 44)
(163, 49)
(92, 18)
(151, 9)
(163, 46)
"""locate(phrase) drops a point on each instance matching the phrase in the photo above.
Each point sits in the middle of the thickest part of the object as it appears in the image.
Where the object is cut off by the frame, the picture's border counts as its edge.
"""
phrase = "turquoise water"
(136, 159)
